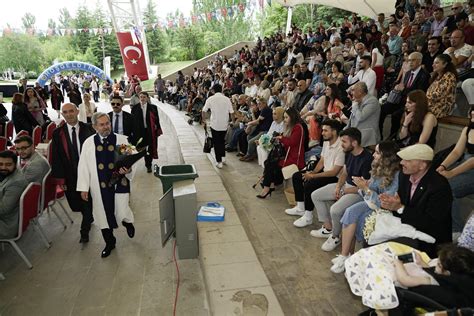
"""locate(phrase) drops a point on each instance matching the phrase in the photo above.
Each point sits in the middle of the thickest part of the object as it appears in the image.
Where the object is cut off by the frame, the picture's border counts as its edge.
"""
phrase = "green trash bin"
(172, 173)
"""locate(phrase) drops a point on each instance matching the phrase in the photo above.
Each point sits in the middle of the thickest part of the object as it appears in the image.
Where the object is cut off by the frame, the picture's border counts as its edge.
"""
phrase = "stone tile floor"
(139, 278)
(297, 268)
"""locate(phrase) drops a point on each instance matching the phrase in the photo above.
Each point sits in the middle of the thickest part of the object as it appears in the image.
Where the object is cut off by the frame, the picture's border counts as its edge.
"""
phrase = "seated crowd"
(311, 107)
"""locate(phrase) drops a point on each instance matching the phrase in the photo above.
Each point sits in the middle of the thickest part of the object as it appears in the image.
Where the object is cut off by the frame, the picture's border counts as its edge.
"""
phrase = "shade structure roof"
(369, 8)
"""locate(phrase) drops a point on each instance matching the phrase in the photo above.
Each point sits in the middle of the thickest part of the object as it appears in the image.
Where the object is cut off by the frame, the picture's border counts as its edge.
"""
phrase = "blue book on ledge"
(211, 212)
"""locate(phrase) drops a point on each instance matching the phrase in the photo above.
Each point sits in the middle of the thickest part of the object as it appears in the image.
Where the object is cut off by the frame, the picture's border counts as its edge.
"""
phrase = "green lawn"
(164, 69)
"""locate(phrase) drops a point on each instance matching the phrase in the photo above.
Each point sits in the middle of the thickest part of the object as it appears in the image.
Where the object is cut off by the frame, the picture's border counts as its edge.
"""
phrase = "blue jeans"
(462, 185)
(235, 137)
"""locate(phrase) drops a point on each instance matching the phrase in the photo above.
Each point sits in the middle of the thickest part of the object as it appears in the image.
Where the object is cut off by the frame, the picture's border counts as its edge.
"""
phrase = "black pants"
(303, 189)
(95, 95)
(108, 235)
(218, 140)
(161, 96)
(272, 174)
(149, 151)
(396, 110)
(77, 204)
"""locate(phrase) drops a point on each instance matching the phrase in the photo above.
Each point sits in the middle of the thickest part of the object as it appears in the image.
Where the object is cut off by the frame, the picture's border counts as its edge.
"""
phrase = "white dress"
(88, 180)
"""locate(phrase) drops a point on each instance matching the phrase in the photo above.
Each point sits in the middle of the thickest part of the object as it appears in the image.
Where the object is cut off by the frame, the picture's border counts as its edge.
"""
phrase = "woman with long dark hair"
(441, 93)
(294, 141)
(384, 179)
(337, 75)
(57, 98)
(21, 117)
(419, 125)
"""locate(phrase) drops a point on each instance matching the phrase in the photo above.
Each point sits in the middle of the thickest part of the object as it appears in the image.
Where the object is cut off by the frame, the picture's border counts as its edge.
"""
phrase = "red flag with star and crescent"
(133, 55)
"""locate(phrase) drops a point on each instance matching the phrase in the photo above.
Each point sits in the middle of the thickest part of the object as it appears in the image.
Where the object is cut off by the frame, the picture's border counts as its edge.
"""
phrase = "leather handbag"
(394, 97)
(207, 142)
(290, 170)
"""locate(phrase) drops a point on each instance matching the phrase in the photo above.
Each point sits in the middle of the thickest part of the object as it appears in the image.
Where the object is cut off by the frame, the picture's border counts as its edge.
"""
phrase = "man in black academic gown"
(147, 127)
(66, 148)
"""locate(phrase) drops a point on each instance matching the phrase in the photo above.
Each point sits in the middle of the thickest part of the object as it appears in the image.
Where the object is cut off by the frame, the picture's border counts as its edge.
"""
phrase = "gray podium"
(185, 212)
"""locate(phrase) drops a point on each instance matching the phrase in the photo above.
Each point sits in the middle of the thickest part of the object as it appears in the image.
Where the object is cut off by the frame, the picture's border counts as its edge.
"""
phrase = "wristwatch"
(400, 210)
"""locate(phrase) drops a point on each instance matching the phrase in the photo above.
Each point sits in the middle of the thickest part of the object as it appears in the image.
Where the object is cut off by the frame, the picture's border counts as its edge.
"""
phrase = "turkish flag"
(133, 55)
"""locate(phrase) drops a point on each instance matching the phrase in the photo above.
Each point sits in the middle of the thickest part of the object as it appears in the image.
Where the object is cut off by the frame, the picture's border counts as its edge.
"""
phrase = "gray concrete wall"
(227, 51)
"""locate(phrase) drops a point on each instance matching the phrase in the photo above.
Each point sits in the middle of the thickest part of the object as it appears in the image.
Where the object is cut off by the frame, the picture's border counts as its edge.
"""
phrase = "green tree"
(274, 19)
(21, 52)
(28, 21)
(82, 22)
(51, 24)
(65, 19)
(155, 37)
(189, 40)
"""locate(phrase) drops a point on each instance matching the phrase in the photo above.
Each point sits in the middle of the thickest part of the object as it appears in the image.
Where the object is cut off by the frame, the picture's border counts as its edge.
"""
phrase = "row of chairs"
(37, 134)
(37, 197)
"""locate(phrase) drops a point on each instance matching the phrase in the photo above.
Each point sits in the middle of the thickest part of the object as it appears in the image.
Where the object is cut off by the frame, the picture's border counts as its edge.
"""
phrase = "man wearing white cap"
(424, 198)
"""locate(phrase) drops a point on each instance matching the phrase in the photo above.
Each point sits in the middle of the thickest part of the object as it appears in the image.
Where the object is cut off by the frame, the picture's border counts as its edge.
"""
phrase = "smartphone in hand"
(407, 257)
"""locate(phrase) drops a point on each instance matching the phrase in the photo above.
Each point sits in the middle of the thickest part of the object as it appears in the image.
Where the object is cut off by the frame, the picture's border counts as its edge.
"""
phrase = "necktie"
(74, 143)
(116, 124)
(410, 81)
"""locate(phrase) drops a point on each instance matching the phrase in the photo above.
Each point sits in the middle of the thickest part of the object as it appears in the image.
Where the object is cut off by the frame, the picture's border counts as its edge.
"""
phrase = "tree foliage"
(28, 21)
(20, 52)
(156, 38)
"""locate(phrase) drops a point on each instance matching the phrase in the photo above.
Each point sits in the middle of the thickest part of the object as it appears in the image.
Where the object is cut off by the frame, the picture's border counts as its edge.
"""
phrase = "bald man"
(459, 50)
(66, 148)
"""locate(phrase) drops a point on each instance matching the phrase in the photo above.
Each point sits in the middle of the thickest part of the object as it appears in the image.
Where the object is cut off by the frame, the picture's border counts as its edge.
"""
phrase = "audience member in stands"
(325, 172)
(86, 109)
(365, 74)
(259, 126)
(462, 22)
(419, 125)
(277, 127)
(377, 64)
(433, 50)
(343, 193)
(293, 141)
(337, 75)
(365, 115)
(122, 122)
(66, 148)
(12, 185)
(423, 199)
(460, 173)
(221, 112)
(442, 90)
(439, 23)
(394, 41)
(459, 50)
(146, 123)
(33, 165)
(21, 117)
(302, 96)
(384, 179)
(416, 78)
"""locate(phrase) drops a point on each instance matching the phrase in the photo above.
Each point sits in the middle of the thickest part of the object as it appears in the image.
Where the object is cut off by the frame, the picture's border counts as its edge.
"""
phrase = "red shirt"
(468, 34)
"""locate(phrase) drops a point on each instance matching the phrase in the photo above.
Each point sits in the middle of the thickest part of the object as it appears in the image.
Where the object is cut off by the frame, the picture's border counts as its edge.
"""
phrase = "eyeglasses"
(409, 59)
(455, 8)
(113, 103)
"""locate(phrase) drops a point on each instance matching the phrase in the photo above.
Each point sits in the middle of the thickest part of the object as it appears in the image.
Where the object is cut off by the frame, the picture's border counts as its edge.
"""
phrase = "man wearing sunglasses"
(122, 122)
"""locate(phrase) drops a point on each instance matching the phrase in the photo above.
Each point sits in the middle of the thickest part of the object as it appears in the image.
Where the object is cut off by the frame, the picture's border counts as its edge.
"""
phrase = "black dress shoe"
(84, 239)
(130, 229)
(148, 169)
(107, 250)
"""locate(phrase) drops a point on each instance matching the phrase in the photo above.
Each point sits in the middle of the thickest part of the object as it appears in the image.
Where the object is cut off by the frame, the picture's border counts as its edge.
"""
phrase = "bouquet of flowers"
(266, 142)
(126, 155)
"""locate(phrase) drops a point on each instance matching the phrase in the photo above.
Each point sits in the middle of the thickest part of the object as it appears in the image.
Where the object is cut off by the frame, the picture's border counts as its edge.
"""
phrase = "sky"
(13, 11)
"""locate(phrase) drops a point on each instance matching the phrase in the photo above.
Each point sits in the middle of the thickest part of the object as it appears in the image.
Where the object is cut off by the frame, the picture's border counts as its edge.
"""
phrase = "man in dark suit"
(122, 122)
(416, 78)
(66, 148)
(424, 199)
(146, 127)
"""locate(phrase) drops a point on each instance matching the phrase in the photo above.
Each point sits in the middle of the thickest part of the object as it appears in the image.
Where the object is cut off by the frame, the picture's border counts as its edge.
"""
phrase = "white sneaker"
(338, 266)
(219, 165)
(336, 259)
(331, 243)
(295, 211)
(223, 161)
(321, 233)
(305, 220)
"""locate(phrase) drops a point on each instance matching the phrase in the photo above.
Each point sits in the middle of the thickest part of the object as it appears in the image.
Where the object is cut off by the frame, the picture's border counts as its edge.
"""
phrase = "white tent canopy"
(369, 8)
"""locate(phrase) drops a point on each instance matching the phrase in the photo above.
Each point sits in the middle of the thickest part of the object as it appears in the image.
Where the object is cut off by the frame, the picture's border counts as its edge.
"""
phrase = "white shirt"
(120, 122)
(69, 128)
(368, 76)
(333, 155)
(94, 86)
(220, 107)
(144, 106)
